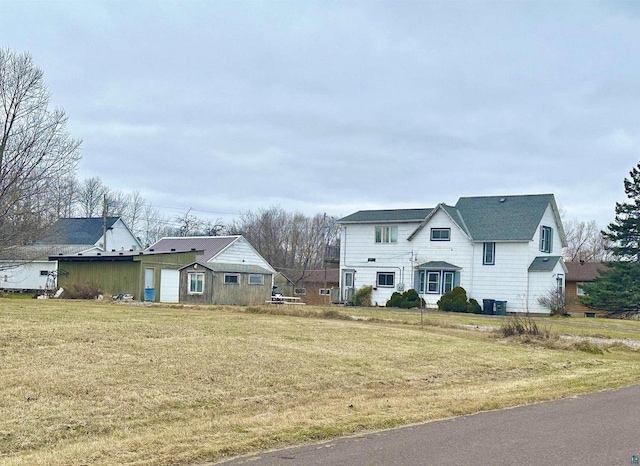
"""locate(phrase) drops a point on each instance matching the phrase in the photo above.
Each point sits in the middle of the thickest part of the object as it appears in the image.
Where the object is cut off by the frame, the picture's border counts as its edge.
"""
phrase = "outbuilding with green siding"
(147, 275)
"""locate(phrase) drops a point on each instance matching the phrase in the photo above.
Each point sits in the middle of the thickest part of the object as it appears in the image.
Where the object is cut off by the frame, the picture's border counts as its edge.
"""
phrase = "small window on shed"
(300, 291)
(231, 279)
(256, 279)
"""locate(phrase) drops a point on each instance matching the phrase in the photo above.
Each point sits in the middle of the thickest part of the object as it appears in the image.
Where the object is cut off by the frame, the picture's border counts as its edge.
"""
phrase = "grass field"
(99, 383)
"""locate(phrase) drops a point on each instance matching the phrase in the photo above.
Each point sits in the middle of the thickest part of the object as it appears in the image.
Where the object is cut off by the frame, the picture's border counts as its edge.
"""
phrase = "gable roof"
(76, 231)
(481, 218)
(544, 263)
(389, 215)
(504, 218)
(211, 245)
(42, 252)
(584, 271)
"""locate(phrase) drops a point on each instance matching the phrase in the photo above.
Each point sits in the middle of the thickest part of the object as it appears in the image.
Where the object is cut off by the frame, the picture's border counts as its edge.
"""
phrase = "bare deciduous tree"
(290, 242)
(584, 242)
(36, 150)
(91, 197)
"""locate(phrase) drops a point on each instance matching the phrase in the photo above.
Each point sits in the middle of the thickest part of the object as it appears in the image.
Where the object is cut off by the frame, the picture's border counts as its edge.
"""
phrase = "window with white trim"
(196, 283)
(386, 279)
(437, 281)
(433, 282)
(387, 234)
(231, 279)
(489, 254)
(546, 239)
(256, 279)
(441, 234)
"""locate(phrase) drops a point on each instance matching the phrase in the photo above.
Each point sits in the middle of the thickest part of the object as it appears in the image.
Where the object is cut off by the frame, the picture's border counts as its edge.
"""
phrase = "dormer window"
(546, 239)
(441, 234)
(387, 234)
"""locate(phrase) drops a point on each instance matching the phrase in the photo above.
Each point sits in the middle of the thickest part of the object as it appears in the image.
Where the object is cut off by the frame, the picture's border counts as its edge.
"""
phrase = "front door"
(348, 285)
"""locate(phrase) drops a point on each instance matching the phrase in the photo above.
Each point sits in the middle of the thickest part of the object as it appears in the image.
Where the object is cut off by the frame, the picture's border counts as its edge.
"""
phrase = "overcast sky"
(335, 107)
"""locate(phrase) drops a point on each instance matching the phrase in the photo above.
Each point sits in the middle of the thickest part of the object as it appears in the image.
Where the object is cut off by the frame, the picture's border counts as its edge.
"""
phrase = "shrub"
(474, 307)
(407, 300)
(454, 300)
(362, 297)
(83, 290)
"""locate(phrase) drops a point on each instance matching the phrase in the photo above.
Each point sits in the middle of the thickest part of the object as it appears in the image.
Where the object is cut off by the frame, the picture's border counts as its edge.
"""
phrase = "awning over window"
(438, 265)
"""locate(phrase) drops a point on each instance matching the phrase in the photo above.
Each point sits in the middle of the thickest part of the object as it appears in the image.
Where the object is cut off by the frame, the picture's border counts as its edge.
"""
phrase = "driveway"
(598, 429)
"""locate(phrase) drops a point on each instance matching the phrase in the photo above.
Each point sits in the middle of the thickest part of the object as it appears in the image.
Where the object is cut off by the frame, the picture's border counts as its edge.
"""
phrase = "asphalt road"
(599, 429)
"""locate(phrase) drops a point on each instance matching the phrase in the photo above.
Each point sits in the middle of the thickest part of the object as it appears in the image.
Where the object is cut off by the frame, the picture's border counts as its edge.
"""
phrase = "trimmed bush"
(407, 300)
(454, 300)
(474, 307)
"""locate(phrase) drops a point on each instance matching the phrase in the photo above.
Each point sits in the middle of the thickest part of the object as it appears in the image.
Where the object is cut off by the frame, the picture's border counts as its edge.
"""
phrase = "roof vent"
(173, 249)
(193, 249)
(119, 253)
(546, 259)
(151, 249)
(371, 259)
(113, 250)
(99, 253)
(503, 199)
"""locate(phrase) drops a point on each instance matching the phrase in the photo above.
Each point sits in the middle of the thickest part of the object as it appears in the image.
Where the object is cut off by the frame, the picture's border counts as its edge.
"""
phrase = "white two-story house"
(503, 248)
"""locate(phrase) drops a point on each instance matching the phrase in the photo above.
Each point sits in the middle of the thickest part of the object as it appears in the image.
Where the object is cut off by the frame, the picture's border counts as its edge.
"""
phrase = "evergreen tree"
(624, 232)
(617, 289)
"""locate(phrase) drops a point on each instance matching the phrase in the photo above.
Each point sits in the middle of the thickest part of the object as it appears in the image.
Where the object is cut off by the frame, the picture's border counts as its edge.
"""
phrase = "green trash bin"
(487, 306)
(501, 308)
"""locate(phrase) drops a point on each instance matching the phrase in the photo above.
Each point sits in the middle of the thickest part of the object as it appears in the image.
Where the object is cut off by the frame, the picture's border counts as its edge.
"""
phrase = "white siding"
(26, 276)
(504, 281)
(119, 238)
(241, 252)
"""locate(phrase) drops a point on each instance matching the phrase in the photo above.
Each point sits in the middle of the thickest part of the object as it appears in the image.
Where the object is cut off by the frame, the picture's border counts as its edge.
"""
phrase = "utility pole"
(104, 223)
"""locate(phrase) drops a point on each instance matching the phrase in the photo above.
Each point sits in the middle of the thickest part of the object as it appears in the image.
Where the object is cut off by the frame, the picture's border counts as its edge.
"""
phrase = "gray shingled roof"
(211, 245)
(438, 265)
(76, 231)
(544, 263)
(381, 216)
(484, 218)
(503, 218)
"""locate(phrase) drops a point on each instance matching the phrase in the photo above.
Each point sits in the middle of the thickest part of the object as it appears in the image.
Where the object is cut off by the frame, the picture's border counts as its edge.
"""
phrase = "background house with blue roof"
(504, 248)
(26, 268)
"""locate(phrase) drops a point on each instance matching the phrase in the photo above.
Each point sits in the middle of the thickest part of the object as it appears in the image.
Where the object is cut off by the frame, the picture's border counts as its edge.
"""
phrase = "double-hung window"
(441, 234)
(489, 254)
(386, 279)
(433, 282)
(387, 234)
(546, 239)
(196, 283)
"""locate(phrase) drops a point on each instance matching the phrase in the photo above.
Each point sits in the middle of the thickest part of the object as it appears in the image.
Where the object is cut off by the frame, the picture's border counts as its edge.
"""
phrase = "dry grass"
(88, 383)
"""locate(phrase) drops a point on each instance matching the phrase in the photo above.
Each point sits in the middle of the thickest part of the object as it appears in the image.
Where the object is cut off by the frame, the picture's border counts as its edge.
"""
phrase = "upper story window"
(387, 234)
(489, 254)
(546, 239)
(441, 234)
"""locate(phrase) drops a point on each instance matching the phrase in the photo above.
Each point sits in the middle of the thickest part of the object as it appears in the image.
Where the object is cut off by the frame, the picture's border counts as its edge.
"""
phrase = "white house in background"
(29, 268)
(504, 248)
